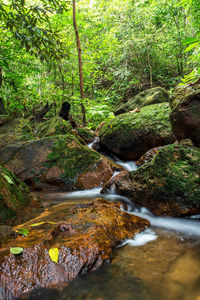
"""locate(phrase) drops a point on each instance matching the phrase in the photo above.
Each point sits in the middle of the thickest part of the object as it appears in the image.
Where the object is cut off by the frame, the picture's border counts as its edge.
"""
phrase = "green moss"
(87, 134)
(147, 97)
(72, 157)
(14, 194)
(174, 173)
(155, 116)
(53, 126)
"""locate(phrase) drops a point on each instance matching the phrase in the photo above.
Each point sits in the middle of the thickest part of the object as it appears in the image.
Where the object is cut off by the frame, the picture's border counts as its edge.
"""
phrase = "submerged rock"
(16, 202)
(147, 97)
(131, 135)
(167, 185)
(185, 115)
(7, 234)
(85, 237)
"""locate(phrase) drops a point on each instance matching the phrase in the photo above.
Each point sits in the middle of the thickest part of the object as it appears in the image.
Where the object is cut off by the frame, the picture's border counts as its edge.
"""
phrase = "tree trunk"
(78, 44)
(2, 107)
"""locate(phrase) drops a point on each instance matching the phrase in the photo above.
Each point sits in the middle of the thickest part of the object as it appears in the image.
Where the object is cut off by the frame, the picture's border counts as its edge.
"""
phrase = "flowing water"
(163, 262)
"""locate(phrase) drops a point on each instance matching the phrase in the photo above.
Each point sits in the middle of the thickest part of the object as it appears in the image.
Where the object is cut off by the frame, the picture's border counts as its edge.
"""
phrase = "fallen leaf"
(16, 250)
(53, 253)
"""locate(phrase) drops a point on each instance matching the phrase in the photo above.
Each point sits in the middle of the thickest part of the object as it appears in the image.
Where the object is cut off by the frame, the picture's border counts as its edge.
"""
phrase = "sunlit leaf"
(23, 231)
(16, 250)
(8, 179)
(53, 253)
(41, 223)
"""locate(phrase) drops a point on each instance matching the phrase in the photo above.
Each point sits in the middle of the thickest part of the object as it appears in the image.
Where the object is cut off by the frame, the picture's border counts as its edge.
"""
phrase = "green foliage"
(16, 250)
(126, 48)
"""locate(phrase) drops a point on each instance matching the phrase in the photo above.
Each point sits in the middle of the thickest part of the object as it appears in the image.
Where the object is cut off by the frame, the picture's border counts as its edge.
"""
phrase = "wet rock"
(147, 97)
(167, 185)
(185, 115)
(57, 162)
(16, 202)
(147, 156)
(85, 237)
(131, 135)
(7, 234)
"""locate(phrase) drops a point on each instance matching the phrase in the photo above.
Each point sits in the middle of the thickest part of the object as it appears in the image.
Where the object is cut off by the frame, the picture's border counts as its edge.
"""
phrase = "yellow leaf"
(38, 224)
(53, 253)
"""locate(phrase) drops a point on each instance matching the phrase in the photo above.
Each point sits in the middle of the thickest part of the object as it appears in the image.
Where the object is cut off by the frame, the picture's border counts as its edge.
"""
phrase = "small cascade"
(189, 227)
(96, 140)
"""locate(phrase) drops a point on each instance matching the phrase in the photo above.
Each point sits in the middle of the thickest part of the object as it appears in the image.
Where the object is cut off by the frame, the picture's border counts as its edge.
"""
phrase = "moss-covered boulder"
(15, 131)
(15, 199)
(132, 134)
(87, 135)
(59, 162)
(167, 185)
(185, 115)
(147, 97)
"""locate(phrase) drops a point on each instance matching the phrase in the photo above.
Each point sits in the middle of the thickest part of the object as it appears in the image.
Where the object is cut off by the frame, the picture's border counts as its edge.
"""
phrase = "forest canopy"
(126, 48)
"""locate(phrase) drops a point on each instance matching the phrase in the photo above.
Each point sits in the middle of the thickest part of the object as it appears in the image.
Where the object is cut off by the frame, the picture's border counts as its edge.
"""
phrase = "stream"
(161, 263)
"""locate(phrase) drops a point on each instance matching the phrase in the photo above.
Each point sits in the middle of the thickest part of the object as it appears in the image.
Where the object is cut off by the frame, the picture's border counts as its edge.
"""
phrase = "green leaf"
(23, 231)
(41, 223)
(53, 253)
(189, 41)
(16, 250)
(8, 179)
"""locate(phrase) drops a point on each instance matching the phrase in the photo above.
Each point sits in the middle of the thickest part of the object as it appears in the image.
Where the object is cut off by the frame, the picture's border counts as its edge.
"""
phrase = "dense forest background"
(126, 48)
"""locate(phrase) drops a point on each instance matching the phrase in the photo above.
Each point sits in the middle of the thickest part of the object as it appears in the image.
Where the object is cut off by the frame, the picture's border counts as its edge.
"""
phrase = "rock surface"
(85, 236)
(54, 162)
(167, 185)
(185, 115)
(147, 156)
(16, 202)
(147, 97)
(131, 135)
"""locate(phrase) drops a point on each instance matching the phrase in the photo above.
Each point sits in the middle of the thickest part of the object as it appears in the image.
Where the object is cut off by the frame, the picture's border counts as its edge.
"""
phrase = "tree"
(79, 60)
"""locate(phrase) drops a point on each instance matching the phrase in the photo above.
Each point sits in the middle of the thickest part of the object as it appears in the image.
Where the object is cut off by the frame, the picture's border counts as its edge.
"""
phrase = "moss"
(152, 117)
(147, 97)
(184, 94)
(87, 134)
(14, 194)
(72, 157)
(174, 173)
(53, 126)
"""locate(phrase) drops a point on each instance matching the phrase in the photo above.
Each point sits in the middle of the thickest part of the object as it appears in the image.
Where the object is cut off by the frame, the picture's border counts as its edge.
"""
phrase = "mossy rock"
(132, 134)
(167, 185)
(56, 163)
(14, 196)
(185, 115)
(53, 126)
(147, 97)
(15, 131)
(87, 134)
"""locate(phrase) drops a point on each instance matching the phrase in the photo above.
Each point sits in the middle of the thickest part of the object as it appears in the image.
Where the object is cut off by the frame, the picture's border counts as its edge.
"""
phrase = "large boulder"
(147, 97)
(185, 115)
(167, 185)
(132, 134)
(58, 163)
(85, 238)
(16, 202)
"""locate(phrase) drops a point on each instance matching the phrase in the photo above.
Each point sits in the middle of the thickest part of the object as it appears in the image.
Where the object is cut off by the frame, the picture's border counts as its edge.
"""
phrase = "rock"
(167, 185)
(147, 97)
(87, 135)
(131, 135)
(7, 234)
(16, 202)
(57, 163)
(185, 115)
(85, 237)
(147, 156)
(15, 131)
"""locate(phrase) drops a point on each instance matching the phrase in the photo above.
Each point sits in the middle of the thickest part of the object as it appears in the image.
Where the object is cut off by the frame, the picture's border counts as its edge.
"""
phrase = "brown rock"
(147, 156)
(85, 237)
(185, 115)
